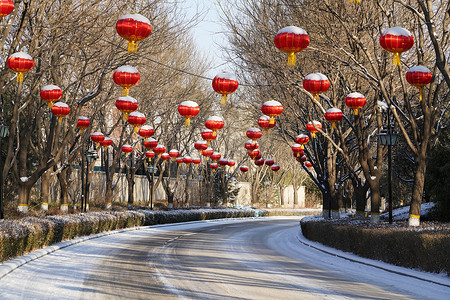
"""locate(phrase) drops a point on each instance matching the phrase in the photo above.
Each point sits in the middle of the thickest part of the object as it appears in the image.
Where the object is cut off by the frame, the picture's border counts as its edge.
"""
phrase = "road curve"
(240, 259)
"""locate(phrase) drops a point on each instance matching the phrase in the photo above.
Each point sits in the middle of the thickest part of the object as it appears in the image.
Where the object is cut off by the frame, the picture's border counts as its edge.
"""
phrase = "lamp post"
(151, 170)
(3, 132)
(389, 137)
(90, 156)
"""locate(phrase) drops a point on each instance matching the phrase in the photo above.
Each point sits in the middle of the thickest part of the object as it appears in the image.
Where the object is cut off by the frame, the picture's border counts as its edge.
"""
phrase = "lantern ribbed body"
(51, 94)
(251, 145)
(254, 134)
(316, 83)
(83, 122)
(174, 153)
(208, 135)
(243, 169)
(333, 115)
(133, 27)
(20, 62)
(396, 40)
(188, 109)
(269, 162)
(60, 109)
(313, 127)
(291, 39)
(146, 131)
(160, 149)
(264, 123)
(214, 123)
(419, 76)
(355, 101)
(106, 142)
(297, 149)
(150, 154)
(223, 162)
(165, 156)
(216, 156)
(187, 160)
(151, 143)
(231, 163)
(302, 139)
(196, 160)
(253, 153)
(126, 105)
(259, 162)
(272, 109)
(213, 166)
(207, 152)
(126, 77)
(201, 145)
(97, 137)
(136, 119)
(127, 148)
(6, 7)
(225, 84)
(275, 168)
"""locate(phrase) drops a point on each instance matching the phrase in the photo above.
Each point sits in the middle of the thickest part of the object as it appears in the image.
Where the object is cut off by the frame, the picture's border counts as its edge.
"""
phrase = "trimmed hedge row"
(18, 237)
(423, 250)
(292, 212)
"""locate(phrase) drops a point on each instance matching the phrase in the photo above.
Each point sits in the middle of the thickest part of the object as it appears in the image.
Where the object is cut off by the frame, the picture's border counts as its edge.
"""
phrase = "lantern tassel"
(313, 135)
(136, 129)
(214, 134)
(149, 159)
(196, 165)
(98, 145)
(355, 111)
(125, 116)
(60, 119)
(302, 147)
(224, 99)
(50, 105)
(266, 131)
(132, 47)
(125, 91)
(291, 59)
(420, 93)
(316, 97)
(105, 148)
(214, 170)
(272, 121)
(208, 143)
(333, 125)
(396, 59)
(81, 130)
(188, 122)
(297, 154)
(20, 77)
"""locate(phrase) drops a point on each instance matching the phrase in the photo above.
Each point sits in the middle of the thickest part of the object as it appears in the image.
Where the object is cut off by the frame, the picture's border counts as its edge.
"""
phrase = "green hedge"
(18, 237)
(400, 246)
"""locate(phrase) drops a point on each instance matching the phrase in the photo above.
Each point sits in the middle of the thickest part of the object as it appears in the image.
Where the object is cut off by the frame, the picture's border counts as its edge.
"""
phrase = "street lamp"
(3, 132)
(90, 156)
(389, 137)
(151, 170)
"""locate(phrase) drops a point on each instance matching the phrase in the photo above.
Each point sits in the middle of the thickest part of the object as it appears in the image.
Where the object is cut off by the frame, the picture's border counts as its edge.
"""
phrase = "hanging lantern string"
(346, 64)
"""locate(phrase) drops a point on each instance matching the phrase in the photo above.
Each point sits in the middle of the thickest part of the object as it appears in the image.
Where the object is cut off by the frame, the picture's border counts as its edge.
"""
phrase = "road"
(255, 259)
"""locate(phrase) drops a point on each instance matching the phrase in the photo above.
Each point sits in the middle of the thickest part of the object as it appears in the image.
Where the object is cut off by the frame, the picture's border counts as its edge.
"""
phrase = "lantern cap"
(292, 29)
(83, 118)
(21, 55)
(214, 118)
(264, 117)
(97, 133)
(207, 130)
(334, 110)
(127, 98)
(50, 87)
(137, 114)
(60, 104)
(146, 127)
(127, 146)
(136, 17)
(151, 140)
(189, 104)
(419, 69)
(296, 146)
(315, 76)
(226, 75)
(127, 69)
(397, 31)
(355, 95)
(301, 136)
(201, 141)
(272, 103)
(159, 146)
(315, 123)
(107, 139)
(254, 129)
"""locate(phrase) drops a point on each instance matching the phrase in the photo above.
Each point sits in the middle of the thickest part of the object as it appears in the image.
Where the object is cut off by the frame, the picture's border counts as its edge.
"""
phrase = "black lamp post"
(3, 132)
(90, 156)
(151, 170)
(389, 137)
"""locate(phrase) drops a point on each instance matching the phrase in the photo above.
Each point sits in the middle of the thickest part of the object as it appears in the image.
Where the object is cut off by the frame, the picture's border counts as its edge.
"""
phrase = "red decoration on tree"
(126, 105)
(253, 153)
(146, 131)
(297, 149)
(51, 93)
(419, 76)
(231, 163)
(6, 7)
(196, 161)
(264, 123)
(126, 77)
(223, 162)
(136, 119)
(207, 152)
(396, 40)
(106, 143)
(254, 134)
(188, 109)
(150, 155)
(187, 160)
(269, 162)
(216, 156)
(333, 115)
(60, 109)
(201, 145)
(159, 150)
(127, 149)
(208, 135)
(97, 137)
(83, 123)
(133, 28)
(272, 109)
(291, 39)
(174, 153)
(259, 162)
(275, 168)
(164, 156)
(213, 166)
(316, 83)
(243, 169)
(179, 160)
(251, 145)
(151, 143)
(225, 84)
(302, 139)
(20, 62)
(214, 123)
(313, 127)
(308, 164)
(355, 101)
(303, 158)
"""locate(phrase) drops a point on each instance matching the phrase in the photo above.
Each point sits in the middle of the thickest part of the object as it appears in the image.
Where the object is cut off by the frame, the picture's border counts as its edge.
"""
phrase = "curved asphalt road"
(254, 259)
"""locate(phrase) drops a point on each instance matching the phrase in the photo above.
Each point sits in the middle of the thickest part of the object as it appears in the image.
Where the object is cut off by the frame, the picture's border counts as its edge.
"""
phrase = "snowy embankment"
(423, 247)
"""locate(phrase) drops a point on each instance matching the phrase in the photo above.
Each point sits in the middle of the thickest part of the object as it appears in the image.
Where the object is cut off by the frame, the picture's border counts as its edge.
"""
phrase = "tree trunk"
(64, 197)
(24, 197)
(359, 197)
(45, 190)
(375, 201)
(295, 186)
(417, 194)
(282, 188)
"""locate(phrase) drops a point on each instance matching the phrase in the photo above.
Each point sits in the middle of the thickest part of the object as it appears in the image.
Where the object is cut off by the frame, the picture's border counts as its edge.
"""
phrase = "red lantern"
(231, 163)
(419, 76)
(264, 123)
(333, 115)
(259, 162)
(308, 164)
(151, 143)
(196, 161)
(243, 169)
(223, 162)
(51, 93)
(146, 131)
(272, 109)
(303, 158)
(20, 62)
(313, 127)
(275, 168)
(188, 109)
(251, 145)
(396, 40)
(164, 156)
(97, 137)
(106, 143)
(174, 153)
(127, 149)
(126, 77)
(208, 135)
(291, 39)
(253, 153)
(160, 149)
(201, 145)
(214, 123)
(6, 7)
(297, 149)
(216, 156)
(225, 84)
(299, 154)
(126, 105)
(213, 166)
(187, 160)
(254, 134)
(83, 123)
(179, 160)
(136, 119)
(207, 152)
(60, 109)
(302, 139)
(355, 101)
(316, 83)
(133, 28)
(258, 156)
(269, 162)
(150, 155)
